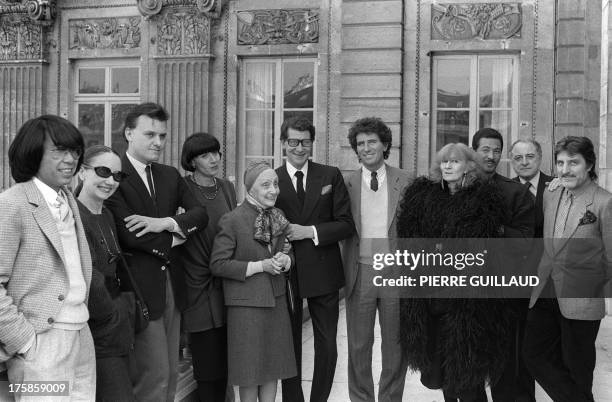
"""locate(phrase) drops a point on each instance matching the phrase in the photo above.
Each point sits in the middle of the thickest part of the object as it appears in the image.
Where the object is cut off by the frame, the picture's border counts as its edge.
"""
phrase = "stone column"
(180, 57)
(23, 51)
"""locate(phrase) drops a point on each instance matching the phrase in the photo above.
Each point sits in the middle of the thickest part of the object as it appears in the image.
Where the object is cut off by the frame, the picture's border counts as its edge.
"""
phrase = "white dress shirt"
(140, 167)
(291, 171)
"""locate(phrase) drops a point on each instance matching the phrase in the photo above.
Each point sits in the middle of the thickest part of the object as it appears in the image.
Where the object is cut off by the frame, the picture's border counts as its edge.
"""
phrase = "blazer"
(233, 248)
(584, 260)
(397, 180)
(32, 265)
(520, 209)
(327, 207)
(539, 204)
(150, 255)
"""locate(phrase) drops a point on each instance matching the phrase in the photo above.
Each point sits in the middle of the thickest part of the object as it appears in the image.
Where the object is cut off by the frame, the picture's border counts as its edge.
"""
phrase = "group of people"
(98, 283)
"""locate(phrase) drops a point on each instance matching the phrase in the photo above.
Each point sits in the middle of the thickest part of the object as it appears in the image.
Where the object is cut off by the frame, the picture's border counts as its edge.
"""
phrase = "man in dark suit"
(315, 201)
(515, 383)
(526, 158)
(145, 209)
(559, 344)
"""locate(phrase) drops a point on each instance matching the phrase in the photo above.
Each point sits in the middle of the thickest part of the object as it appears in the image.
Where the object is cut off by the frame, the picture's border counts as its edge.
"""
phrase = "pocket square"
(587, 218)
(326, 189)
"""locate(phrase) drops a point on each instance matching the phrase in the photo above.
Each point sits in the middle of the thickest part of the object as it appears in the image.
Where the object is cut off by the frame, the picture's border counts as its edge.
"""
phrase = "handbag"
(141, 313)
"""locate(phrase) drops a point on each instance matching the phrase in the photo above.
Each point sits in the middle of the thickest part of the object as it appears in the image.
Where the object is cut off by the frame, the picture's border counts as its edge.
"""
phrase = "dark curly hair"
(373, 125)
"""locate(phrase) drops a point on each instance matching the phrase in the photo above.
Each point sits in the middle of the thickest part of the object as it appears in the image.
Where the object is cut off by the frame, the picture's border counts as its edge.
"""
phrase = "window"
(271, 91)
(471, 92)
(104, 94)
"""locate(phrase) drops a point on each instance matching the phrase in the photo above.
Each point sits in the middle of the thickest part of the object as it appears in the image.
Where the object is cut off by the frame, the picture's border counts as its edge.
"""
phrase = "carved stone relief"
(476, 20)
(182, 32)
(149, 8)
(20, 38)
(39, 11)
(105, 33)
(274, 27)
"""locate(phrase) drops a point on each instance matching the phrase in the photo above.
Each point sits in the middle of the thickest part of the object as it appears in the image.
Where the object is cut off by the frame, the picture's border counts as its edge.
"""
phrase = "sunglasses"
(293, 142)
(105, 173)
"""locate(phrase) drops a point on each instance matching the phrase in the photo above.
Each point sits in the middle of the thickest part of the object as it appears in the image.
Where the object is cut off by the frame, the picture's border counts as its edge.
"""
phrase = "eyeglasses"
(307, 142)
(60, 152)
(105, 173)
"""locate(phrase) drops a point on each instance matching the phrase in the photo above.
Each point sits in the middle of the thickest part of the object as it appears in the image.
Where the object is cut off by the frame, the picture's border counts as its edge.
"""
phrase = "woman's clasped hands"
(281, 262)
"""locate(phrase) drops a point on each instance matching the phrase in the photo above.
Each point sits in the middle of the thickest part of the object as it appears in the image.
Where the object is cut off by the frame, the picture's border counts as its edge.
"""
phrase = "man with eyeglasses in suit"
(45, 264)
(316, 203)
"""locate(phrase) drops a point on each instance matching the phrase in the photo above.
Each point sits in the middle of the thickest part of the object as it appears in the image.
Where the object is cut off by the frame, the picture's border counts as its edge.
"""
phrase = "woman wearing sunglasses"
(204, 317)
(109, 314)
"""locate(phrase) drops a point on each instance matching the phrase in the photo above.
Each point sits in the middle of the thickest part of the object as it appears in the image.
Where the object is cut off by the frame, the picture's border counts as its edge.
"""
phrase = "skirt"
(260, 344)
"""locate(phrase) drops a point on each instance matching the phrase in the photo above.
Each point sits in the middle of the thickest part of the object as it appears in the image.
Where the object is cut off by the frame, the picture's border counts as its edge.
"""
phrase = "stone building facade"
(434, 71)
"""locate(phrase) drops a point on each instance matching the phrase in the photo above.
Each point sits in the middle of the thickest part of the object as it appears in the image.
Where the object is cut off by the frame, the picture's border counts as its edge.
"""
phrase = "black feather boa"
(457, 344)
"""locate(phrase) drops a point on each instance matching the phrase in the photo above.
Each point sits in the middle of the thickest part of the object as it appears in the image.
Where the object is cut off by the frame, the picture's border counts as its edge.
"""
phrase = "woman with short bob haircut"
(204, 317)
(457, 344)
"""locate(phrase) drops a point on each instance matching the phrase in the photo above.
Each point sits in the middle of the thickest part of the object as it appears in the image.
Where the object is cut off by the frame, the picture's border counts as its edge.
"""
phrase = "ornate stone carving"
(39, 11)
(476, 20)
(12, 6)
(20, 38)
(105, 33)
(274, 27)
(42, 11)
(183, 32)
(149, 8)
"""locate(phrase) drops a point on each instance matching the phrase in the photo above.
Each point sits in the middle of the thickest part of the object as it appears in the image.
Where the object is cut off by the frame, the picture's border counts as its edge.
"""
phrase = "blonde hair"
(458, 151)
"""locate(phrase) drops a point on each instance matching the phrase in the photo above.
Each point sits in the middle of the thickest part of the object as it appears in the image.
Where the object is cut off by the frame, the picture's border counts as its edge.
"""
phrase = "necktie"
(299, 187)
(64, 209)
(531, 189)
(374, 182)
(150, 182)
(562, 213)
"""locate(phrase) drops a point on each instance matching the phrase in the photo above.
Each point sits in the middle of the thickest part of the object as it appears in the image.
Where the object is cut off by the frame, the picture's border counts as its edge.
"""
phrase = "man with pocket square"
(567, 306)
(315, 201)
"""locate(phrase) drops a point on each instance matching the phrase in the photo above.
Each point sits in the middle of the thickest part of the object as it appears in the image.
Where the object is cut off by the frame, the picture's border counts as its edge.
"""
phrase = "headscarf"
(270, 221)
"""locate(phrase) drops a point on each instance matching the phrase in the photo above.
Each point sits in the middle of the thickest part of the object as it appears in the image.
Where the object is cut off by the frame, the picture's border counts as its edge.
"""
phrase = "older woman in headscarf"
(457, 344)
(251, 254)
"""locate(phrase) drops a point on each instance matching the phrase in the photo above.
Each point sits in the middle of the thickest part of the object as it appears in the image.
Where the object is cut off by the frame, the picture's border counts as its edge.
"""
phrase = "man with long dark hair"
(45, 265)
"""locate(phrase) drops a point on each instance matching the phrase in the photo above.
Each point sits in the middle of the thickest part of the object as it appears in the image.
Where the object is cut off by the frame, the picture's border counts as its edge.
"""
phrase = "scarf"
(269, 223)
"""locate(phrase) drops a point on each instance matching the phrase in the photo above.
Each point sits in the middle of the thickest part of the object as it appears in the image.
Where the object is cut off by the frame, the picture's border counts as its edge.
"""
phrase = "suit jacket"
(233, 248)
(539, 208)
(582, 262)
(327, 207)
(150, 255)
(520, 209)
(32, 265)
(397, 180)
